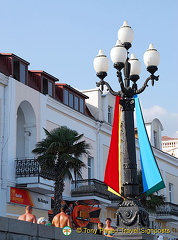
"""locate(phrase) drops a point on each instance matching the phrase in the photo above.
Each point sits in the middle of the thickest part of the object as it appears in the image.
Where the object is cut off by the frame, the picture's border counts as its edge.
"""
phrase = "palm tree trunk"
(58, 187)
(58, 190)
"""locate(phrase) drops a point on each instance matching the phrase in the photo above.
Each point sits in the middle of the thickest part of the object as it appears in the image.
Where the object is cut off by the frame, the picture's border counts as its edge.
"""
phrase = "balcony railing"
(92, 187)
(79, 188)
(167, 209)
(31, 168)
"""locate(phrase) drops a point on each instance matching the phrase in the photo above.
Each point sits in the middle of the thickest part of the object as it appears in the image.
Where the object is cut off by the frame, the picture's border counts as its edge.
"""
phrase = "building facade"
(33, 100)
(170, 145)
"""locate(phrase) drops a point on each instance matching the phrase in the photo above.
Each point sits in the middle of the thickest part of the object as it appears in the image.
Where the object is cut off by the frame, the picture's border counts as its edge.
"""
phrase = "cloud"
(168, 119)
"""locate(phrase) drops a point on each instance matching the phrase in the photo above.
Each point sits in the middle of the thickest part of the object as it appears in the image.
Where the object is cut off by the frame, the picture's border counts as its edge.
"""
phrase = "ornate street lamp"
(130, 213)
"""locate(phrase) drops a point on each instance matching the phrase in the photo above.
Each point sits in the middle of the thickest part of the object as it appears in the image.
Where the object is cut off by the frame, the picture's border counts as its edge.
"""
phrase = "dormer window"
(20, 71)
(66, 97)
(73, 101)
(47, 87)
(12, 65)
(81, 105)
(43, 81)
(72, 98)
(76, 103)
(23, 73)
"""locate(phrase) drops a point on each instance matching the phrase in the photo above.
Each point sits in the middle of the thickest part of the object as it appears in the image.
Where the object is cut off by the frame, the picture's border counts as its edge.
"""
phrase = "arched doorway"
(26, 130)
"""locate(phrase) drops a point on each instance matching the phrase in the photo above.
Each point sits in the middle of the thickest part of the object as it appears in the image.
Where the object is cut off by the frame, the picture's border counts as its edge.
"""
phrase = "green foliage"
(59, 153)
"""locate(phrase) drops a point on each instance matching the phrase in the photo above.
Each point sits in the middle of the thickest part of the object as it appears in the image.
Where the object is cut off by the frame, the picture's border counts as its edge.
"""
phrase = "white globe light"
(118, 53)
(125, 33)
(135, 65)
(151, 57)
(101, 62)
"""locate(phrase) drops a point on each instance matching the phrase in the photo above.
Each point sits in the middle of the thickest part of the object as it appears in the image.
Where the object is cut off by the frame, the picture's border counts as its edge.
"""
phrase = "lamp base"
(132, 221)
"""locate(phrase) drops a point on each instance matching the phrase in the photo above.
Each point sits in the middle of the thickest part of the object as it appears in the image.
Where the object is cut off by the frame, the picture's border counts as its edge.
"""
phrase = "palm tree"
(59, 153)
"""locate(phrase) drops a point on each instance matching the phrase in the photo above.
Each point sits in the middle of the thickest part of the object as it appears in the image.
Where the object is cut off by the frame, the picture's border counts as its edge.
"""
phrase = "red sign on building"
(20, 196)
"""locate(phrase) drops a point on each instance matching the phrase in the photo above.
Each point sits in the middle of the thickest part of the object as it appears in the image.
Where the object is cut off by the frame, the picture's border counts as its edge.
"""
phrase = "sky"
(63, 37)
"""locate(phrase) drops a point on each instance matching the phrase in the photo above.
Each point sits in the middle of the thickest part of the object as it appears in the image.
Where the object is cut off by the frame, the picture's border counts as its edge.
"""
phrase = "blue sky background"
(63, 37)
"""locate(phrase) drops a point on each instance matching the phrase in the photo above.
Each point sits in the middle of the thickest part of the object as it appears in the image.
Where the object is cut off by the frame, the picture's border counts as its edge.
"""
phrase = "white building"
(33, 100)
(29, 102)
(170, 145)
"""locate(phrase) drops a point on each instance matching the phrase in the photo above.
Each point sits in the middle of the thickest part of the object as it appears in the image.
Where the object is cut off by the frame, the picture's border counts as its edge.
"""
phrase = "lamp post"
(130, 213)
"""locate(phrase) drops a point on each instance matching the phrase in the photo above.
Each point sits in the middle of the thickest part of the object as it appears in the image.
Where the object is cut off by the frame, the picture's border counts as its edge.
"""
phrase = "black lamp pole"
(130, 212)
(127, 101)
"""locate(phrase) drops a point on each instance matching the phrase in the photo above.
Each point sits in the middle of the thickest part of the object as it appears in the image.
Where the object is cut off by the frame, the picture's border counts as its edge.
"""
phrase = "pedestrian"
(108, 230)
(28, 216)
(62, 219)
(42, 221)
(100, 228)
(69, 209)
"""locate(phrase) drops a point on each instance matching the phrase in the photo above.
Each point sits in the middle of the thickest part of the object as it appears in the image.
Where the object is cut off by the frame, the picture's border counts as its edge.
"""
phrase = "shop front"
(18, 199)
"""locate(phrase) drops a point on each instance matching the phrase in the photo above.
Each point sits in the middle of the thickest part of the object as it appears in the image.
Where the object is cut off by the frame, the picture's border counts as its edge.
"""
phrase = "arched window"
(26, 130)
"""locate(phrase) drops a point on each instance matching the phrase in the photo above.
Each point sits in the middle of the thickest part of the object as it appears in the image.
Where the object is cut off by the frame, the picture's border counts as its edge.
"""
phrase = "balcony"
(167, 212)
(92, 189)
(30, 176)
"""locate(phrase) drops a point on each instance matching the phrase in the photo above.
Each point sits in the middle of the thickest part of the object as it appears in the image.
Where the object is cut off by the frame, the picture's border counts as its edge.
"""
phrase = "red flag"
(112, 176)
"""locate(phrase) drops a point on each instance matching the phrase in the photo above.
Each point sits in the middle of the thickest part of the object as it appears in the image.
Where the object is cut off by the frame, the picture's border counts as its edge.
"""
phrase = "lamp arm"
(152, 78)
(102, 83)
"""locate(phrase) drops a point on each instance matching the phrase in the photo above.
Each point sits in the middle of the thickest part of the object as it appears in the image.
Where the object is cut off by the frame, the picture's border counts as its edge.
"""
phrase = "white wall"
(4, 81)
